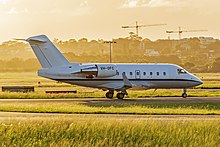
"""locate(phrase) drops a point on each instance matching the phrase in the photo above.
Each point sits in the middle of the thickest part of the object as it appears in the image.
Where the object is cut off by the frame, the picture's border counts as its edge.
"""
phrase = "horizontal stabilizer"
(32, 39)
(36, 40)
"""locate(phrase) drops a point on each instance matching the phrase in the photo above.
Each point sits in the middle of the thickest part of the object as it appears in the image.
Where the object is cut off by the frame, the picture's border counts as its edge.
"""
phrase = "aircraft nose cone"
(199, 82)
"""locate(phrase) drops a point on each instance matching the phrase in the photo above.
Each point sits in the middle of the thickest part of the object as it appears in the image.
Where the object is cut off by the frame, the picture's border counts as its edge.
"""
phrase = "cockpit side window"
(181, 71)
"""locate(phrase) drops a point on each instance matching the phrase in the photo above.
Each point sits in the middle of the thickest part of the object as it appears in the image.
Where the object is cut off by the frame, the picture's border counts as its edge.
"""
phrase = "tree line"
(195, 54)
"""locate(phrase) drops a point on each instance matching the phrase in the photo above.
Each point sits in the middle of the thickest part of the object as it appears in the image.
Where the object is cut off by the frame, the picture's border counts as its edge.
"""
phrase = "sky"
(103, 19)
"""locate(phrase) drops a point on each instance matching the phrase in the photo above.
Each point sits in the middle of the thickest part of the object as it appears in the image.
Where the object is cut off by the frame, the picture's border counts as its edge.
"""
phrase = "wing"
(123, 85)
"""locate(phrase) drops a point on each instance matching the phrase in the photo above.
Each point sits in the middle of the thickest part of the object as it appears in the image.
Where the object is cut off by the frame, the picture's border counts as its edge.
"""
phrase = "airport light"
(110, 48)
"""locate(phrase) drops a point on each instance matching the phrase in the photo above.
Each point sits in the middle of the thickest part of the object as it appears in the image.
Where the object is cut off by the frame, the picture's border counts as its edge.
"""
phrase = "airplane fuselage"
(147, 76)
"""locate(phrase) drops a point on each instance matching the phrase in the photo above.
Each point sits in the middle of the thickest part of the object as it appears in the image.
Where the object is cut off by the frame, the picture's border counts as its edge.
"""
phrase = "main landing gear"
(184, 95)
(120, 95)
(109, 94)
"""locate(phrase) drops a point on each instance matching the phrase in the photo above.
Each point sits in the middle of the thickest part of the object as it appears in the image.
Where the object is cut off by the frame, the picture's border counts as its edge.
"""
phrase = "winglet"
(38, 39)
(127, 83)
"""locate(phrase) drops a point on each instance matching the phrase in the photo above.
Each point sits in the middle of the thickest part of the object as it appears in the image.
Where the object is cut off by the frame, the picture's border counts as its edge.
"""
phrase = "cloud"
(159, 3)
(130, 4)
(152, 3)
(84, 3)
(80, 9)
(167, 3)
(134, 3)
(13, 10)
(3, 1)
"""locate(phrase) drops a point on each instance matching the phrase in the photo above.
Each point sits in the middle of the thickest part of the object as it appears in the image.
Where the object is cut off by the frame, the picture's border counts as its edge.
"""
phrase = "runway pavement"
(53, 116)
(37, 116)
(126, 100)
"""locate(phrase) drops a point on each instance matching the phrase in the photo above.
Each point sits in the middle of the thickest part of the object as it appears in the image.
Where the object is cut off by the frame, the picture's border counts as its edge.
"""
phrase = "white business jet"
(109, 77)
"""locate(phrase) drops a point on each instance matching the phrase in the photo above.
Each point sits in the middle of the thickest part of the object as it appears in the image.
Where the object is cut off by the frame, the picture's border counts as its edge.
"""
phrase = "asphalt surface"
(37, 116)
(126, 100)
(51, 116)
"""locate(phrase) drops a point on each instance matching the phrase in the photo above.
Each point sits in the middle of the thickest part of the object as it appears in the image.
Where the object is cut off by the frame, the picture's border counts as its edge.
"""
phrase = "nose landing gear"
(184, 95)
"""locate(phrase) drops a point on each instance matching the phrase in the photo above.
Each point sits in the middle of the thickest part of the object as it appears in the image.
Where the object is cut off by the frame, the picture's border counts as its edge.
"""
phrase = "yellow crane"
(137, 26)
(180, 31)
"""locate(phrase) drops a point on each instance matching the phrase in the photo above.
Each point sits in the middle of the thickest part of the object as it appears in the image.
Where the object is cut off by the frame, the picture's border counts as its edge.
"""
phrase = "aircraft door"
(137, 74)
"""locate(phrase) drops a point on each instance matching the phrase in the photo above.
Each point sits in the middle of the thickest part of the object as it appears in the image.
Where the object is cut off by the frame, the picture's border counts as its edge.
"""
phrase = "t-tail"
(47, 53)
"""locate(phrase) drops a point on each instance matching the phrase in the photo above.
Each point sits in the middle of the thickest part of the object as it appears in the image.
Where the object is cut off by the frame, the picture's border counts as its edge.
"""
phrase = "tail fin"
(46, 52)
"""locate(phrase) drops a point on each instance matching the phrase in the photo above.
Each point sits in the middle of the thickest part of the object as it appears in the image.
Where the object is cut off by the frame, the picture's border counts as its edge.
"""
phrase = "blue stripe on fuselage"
(91, 80)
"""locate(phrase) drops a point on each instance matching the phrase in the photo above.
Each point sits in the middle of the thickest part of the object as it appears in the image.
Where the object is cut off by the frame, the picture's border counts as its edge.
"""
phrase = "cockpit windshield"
(181, 71)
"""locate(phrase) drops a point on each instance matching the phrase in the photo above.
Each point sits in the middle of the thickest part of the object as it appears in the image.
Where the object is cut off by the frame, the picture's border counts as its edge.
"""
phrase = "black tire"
(120, 96)
(109, 95)
(184, 95)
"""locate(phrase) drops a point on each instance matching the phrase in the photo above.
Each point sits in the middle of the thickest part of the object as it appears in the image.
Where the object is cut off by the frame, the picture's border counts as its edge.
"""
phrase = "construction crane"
(180, 31)
(140, 26)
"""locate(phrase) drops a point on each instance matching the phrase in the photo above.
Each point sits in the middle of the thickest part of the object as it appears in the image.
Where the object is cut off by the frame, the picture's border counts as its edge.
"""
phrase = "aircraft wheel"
(120, 96)
(109, 95)
(184, 95)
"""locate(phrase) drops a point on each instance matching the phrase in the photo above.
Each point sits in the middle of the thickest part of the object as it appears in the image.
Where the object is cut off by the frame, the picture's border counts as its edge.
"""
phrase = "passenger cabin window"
(158, 73)
(151, 73)
(131, 73)
(144, 73)
(164, 73)
(181, 71)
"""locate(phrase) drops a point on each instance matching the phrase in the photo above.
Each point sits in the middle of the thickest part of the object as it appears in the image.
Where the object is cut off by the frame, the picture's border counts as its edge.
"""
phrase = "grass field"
(112, 108)
(71, 132)
(94, 93)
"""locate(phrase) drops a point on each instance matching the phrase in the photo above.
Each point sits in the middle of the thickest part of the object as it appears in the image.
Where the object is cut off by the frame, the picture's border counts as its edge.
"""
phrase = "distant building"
(207, 40)
(185, 46)
(211, 54)
(152, 52)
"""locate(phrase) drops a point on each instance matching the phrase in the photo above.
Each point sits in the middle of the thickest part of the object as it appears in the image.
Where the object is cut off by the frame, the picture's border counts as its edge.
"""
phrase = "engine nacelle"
(106, 70)
(100, 70)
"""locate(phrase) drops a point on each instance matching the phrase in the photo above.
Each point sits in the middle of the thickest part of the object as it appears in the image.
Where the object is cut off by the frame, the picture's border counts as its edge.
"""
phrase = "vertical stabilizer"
(46, 52)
